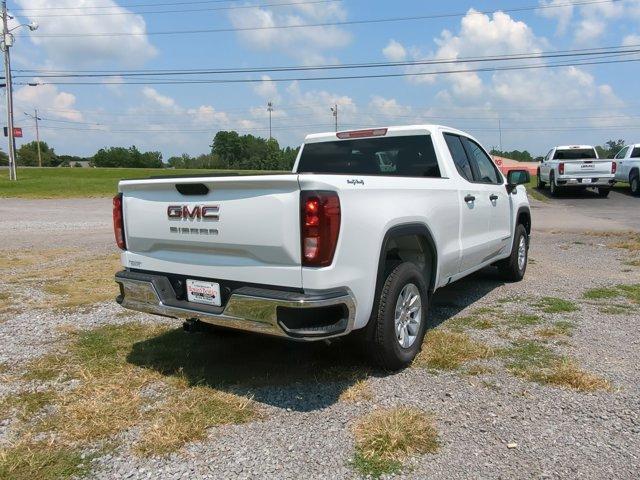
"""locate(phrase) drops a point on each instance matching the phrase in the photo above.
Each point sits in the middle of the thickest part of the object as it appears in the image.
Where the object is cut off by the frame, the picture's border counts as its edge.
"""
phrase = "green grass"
(375, 467)
(523, 320)
(536, 362)
(85, 182)
(630, 292)
(533, 192)
(555, 305)
(41, 462)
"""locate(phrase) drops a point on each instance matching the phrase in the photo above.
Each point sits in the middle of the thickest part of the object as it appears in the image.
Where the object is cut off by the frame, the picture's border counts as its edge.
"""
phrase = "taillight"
(319, 227)
(614, 167)
(118, 222)
(561, 168)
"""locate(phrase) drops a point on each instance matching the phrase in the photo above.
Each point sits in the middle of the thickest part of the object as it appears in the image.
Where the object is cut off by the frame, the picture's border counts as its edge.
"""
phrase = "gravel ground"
(305, 432)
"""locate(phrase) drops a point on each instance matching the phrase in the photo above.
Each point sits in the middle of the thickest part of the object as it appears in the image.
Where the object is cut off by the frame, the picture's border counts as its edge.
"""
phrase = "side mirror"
(517, 177)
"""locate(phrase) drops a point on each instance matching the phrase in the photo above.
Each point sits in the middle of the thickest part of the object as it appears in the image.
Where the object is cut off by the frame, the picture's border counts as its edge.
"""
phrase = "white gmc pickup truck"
(577, 167)
(628, 167)
(356, 239)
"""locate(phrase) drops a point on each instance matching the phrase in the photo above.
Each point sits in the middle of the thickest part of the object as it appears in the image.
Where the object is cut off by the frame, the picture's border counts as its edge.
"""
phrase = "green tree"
(226, 145)
(127, 157)
(520, 156)
(610, 148)
(4, 158)
(27, 155)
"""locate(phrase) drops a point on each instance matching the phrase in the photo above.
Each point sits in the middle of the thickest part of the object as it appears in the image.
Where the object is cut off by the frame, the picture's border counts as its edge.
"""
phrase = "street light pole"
(270, 109)
(334, 109)
(7, 40)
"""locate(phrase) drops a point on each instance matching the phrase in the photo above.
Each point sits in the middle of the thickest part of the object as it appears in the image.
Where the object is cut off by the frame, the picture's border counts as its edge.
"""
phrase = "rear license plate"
(586, 180)
(207, 293)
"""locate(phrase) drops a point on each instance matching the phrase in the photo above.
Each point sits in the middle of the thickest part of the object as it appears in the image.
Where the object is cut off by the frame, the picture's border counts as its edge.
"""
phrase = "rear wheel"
(539, 183)
(635, 184)
(514, 267)
(554, 189)
(398, 322)
(603, 192)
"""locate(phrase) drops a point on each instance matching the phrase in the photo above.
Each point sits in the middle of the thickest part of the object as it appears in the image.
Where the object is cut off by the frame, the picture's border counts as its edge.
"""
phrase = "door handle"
(469, 198)
(493, 197)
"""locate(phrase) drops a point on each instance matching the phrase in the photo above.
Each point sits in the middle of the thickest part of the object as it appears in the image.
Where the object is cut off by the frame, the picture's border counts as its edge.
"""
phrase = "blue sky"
(536, 109)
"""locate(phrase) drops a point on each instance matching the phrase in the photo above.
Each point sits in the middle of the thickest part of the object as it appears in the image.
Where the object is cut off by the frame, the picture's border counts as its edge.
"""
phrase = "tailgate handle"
(192, 188)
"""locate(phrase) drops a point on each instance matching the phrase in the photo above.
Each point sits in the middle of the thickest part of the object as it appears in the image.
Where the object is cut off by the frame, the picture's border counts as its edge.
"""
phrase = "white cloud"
(207, 115)
(631, 40)
(589, 22)
(128, 50)
(47, 98)
(308, 45)
(563, 14)
(267, 89)
(388, 106)
(394, 51)
(159, 99)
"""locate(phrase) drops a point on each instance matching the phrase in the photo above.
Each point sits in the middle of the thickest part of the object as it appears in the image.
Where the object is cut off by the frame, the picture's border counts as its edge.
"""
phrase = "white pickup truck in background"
(576, 167)
(356, 239)
(628, 167)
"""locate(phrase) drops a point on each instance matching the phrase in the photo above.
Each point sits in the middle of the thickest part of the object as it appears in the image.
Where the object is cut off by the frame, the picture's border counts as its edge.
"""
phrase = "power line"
(341, 77)
(322, 24)
(585, 52)
(182, 10)
(154, 4)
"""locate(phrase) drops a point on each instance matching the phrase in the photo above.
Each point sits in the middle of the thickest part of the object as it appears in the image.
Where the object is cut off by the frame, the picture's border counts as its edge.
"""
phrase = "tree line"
(229, 150)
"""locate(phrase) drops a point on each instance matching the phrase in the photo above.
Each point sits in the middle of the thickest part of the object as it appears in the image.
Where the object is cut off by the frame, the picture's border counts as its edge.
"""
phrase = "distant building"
(506, 164)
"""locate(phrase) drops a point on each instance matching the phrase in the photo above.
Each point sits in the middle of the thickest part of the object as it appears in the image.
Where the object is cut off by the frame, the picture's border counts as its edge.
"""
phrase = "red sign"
(17, 132)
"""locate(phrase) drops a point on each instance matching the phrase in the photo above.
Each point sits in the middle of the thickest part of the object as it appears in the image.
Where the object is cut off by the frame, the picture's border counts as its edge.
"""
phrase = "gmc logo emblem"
(204, 212)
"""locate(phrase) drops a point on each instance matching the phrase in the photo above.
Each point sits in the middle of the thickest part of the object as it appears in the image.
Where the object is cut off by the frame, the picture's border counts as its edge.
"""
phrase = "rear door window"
(459, 156)
(635, 153)
(402, 156)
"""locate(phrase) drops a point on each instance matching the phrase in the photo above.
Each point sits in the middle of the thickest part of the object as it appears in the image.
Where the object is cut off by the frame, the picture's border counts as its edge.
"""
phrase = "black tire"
(381, 340)
(553, 188)
(510, 268)
(634, 181)
(603, 192)
(539, 183)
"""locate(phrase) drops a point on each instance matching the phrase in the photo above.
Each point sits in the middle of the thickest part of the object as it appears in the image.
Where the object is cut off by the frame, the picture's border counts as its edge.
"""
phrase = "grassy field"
(83, 182)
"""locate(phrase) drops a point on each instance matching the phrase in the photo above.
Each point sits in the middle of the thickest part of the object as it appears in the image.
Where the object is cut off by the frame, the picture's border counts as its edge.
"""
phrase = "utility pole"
(270, 109)
(7, 41)
(5, 44)
(500, 132)
(334, 109)
(36, 118)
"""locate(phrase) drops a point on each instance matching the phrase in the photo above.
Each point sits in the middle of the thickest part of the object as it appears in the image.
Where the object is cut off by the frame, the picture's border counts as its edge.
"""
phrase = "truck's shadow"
(298, 376)
(571, 194)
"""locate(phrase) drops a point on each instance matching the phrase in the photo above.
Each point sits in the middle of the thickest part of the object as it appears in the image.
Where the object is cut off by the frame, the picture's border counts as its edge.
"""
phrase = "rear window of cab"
(575, 154)
(402, 156)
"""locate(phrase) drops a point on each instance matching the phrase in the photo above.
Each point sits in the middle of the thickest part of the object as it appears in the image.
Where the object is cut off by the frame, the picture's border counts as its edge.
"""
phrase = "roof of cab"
(391, 131)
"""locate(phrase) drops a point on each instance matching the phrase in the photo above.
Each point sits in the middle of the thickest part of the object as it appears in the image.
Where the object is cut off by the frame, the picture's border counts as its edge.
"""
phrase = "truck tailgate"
(245, 229)
(587, 168)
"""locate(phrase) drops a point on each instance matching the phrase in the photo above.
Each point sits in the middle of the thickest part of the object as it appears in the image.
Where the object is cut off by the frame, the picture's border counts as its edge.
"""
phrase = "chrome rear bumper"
(251, 309)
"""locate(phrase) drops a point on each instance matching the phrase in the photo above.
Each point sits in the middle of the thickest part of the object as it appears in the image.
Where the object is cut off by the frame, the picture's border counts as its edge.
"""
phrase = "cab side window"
(635, 153)
(459, 156)
(485, 170)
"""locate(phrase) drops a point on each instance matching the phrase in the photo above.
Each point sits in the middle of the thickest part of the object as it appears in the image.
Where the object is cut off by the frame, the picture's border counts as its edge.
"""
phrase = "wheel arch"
(633, 172)
(416, 232)
(523, 216)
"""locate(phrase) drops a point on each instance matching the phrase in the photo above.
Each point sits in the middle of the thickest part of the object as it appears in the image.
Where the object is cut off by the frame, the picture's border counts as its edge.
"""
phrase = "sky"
(533, 108)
